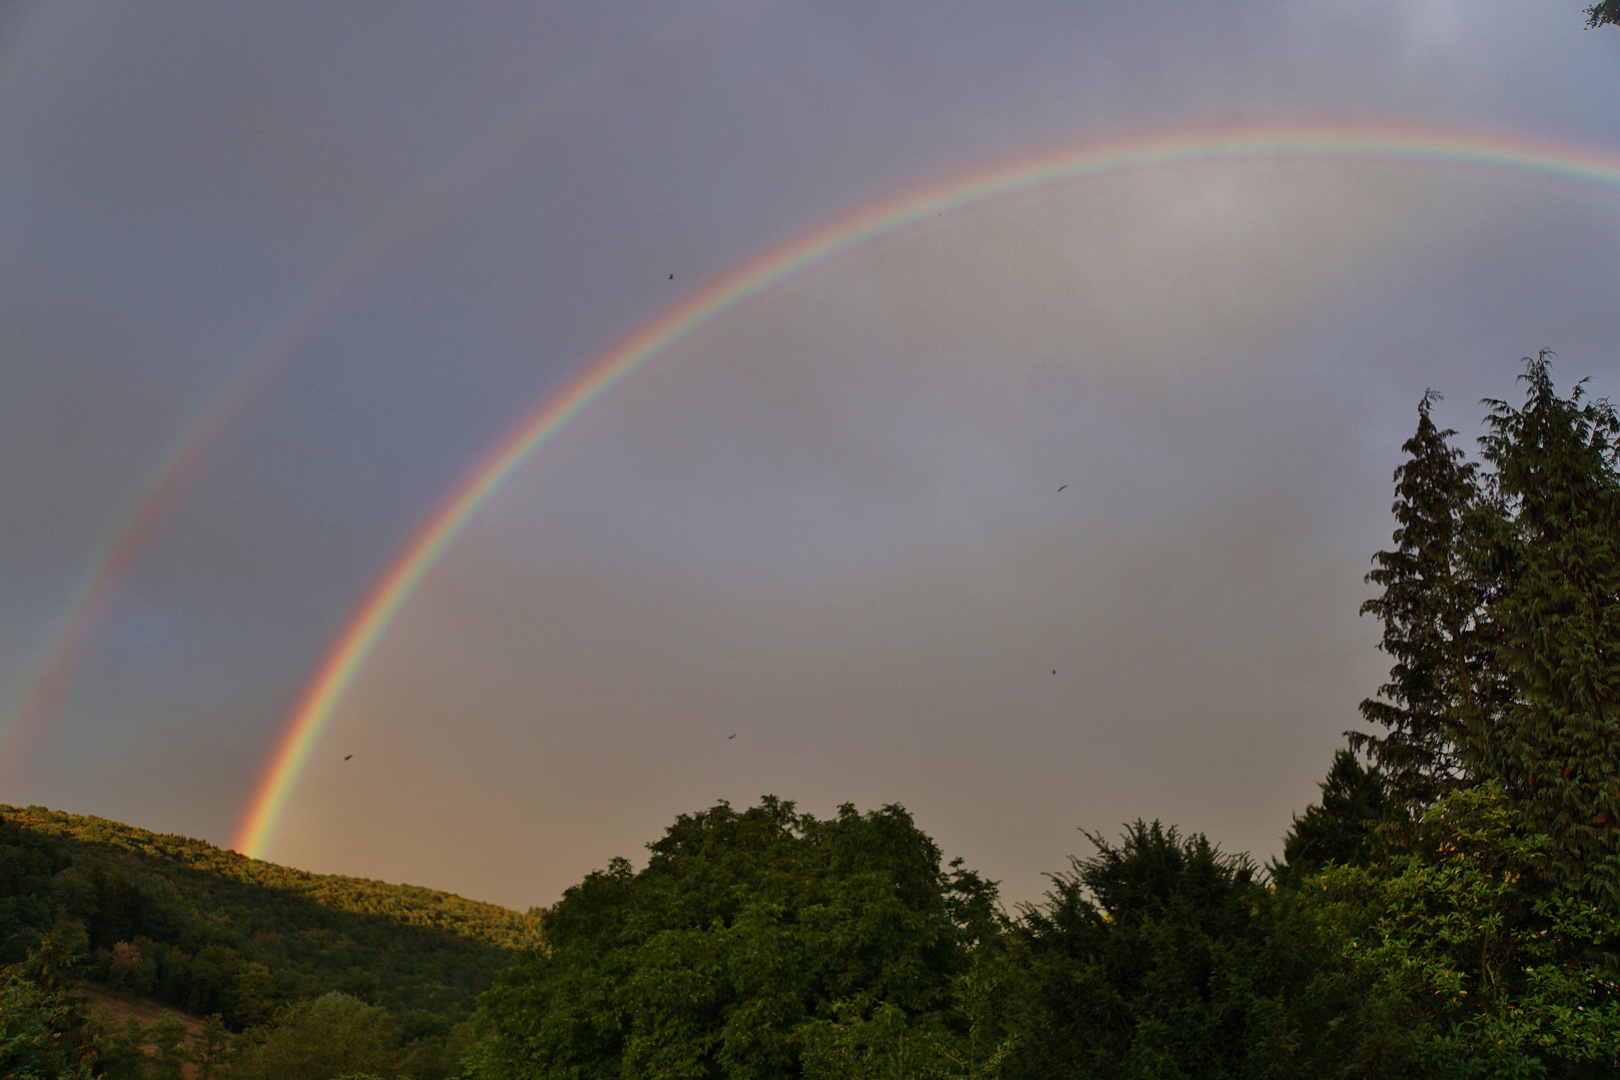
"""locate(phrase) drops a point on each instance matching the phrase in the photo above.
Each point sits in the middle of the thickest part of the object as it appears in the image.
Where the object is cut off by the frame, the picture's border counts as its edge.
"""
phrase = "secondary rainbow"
(1396, 143)
(44, 682)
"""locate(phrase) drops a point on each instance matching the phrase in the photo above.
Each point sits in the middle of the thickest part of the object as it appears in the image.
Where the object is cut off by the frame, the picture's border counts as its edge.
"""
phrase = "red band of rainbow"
(1413, 145)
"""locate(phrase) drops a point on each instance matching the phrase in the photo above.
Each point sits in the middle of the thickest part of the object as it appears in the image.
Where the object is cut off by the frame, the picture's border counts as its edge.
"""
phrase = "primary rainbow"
(126, 538)
(1399, 143)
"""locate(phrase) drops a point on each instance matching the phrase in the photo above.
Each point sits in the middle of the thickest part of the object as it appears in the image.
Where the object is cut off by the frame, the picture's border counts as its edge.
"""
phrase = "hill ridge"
(209, 929)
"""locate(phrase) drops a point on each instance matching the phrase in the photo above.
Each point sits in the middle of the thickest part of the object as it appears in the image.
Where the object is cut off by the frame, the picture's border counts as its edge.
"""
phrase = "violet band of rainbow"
(1382, 141)
(124, 541)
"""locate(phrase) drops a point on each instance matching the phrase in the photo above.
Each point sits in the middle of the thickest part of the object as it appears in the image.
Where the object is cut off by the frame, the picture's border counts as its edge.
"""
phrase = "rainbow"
(126, 538)
(1396, 143)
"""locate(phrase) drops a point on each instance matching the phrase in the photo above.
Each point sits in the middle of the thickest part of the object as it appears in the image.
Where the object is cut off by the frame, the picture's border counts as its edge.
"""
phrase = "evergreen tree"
(1555, 747)
(1163, 957)
(1428, 607)
(1346, 827)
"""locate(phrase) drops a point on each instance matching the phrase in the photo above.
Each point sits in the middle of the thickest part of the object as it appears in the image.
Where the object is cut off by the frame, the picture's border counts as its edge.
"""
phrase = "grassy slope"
(222, 932)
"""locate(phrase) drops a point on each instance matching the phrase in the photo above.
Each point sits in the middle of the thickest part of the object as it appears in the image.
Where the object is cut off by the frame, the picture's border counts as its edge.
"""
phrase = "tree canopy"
(747, 935)
(1449, 908)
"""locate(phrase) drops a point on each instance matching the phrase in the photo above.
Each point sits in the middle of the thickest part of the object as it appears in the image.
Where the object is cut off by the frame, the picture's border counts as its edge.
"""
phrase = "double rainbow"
(126, 539)
(1409, 145)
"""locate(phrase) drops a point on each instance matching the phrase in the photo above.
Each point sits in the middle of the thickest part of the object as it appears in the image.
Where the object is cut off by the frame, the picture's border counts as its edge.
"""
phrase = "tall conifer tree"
(1345, 826)
(1429, 609)
(1556, 743)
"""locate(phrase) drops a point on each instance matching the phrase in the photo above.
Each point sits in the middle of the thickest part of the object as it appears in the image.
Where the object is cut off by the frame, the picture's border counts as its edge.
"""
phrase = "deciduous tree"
(747, 938)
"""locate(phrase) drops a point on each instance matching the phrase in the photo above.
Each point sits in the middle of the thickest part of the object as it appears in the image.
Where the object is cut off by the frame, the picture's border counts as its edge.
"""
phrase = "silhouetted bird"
(1064, 486)
(1054, 671)
(672, 277)
(346, 757)
(731, 736)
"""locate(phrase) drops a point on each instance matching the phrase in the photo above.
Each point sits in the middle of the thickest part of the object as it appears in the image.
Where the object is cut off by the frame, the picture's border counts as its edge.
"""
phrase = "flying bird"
(346, 757)
(672, 277)
(1064, 486)
(731, 736)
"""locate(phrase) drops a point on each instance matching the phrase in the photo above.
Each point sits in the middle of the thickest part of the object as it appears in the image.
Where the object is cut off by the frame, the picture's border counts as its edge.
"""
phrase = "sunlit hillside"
(211, 931)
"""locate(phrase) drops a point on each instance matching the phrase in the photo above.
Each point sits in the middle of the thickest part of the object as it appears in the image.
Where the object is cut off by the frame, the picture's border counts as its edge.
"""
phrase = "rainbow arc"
(1421, 146)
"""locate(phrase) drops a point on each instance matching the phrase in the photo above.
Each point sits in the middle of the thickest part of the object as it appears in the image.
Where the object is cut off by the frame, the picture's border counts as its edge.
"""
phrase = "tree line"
(1450, 907)
(209, 932)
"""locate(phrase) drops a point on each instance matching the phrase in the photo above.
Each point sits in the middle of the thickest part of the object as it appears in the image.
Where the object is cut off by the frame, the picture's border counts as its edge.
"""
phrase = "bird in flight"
(1054, 671)
(346, 757)
(1064, 486)
(672, 277)
(731, 736)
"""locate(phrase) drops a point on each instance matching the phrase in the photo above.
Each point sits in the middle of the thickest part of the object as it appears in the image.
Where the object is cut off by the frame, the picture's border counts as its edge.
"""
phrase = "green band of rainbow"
(125, 540)
(1383, 141)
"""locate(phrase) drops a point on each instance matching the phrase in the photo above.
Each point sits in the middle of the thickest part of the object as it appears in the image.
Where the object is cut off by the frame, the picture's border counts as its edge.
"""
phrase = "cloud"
(840, 503)
(831, 526)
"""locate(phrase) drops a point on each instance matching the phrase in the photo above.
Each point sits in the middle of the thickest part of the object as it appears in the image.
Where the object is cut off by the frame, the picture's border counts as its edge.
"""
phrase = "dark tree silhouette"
(1429, 608)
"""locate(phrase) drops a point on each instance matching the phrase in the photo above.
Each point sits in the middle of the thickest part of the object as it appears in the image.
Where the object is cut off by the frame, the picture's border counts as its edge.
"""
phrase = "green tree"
(167, 1036)
(41, 1033)
(1347, 827)
(1470, 962)
(1555, 744)
(1163, 957)
(330, 1036)
(211, 1051)
(979, 1049)
(45, 1033)
(206, 930)
(1429, 607)
(748, 938)
(1604, 13)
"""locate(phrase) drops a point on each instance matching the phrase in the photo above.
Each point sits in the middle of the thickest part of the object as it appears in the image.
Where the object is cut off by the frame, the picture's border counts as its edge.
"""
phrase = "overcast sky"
(830, 524)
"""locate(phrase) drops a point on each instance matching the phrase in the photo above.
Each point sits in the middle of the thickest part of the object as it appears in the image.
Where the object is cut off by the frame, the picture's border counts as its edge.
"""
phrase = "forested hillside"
(211, 931)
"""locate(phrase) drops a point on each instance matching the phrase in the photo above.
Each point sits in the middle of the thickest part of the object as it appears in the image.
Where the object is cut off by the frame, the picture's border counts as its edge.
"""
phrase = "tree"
(748, 938)
(1163, 957)
(212, 1049)
(1604, 13)
(45, 1033)
(40, 1034)
(329, 1036)
(1554, 746)
(1346, 827)
(1470, 962)
(1429, 607)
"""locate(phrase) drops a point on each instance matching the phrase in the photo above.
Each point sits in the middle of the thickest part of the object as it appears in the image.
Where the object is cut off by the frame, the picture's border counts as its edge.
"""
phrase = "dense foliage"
(213, 933)
(1431, 595)
(1553, 528)
(1490, 924)
(1450, 907)
(749, 939)
(209, 931)
(1164, 957)
(45, 1032)
(1351, 826)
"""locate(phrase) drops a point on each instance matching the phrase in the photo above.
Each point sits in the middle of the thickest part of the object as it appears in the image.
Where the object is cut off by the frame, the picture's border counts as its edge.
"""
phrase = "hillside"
(211, 931)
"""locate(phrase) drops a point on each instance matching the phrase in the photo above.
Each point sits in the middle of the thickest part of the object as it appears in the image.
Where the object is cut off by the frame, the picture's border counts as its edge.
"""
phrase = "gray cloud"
(831, 525)
(831, 517)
